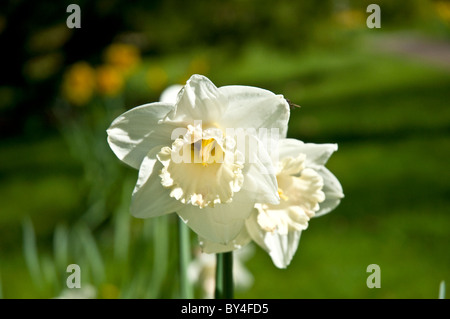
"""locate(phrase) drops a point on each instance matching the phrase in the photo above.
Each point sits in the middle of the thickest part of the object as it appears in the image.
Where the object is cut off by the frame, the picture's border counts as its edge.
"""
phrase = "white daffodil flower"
(200, 154)
(307, 189)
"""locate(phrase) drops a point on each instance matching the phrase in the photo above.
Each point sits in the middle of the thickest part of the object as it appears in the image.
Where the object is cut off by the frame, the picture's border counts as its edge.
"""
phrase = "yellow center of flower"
(282, 195)
(206, 151)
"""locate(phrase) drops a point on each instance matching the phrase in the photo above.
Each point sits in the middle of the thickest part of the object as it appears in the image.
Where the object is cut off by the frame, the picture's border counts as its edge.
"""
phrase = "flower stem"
(219, 275)
(228, 275)
(186, 291)
(224, 276)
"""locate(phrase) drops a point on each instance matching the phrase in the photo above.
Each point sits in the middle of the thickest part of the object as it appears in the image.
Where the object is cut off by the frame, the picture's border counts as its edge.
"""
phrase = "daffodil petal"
(209, 247)
(220, 224)
(333, 192)
(254, 230)
(198, 100)
(260, 183)
(281, 247)
(316, 154)
(251, 107)
(150, 198)
(170, 94)
(135, 132)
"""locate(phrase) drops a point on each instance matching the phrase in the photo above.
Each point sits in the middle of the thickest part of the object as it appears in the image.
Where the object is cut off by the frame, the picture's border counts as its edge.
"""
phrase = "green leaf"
(92, 252)
(442, 290)
(31, 253)
(61, 248)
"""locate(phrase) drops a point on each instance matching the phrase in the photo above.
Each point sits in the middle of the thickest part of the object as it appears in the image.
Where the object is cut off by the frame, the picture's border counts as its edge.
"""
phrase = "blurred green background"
(381, 94)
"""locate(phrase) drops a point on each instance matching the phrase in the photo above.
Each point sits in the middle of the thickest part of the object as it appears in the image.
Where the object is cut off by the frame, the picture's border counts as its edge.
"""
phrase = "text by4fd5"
(246, 308)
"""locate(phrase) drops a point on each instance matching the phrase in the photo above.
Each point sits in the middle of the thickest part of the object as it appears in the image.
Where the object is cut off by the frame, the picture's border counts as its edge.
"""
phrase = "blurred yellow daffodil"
(109, 80)
(443, 10)
(79, 83)
(123, 56)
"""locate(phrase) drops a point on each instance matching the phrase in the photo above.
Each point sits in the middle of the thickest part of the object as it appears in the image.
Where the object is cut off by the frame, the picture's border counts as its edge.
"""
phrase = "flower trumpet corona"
(200, 155)
(306, 188)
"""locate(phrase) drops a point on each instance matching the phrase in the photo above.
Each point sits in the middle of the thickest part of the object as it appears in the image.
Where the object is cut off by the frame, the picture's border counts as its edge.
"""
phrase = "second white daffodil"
(307, 189)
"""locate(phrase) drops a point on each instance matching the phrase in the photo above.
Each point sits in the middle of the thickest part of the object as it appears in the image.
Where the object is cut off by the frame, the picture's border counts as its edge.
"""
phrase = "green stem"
(228, 286)
(186, 291)
(218, 292)
(224, 276)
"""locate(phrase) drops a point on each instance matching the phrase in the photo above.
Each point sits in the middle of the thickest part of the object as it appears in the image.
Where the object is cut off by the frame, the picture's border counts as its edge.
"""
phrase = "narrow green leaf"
(92, 252)
(52, 284)
(186, 290)
(122, 225)
(160, 255)
(442, 290)
(61, 248)
(31, 253)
